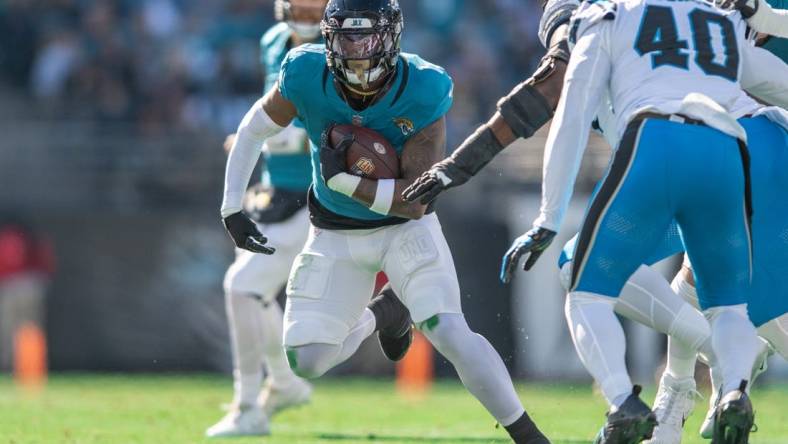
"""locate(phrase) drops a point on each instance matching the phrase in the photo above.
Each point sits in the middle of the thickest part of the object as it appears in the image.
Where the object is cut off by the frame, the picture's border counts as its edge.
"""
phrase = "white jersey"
(664, 50)
(663, 56)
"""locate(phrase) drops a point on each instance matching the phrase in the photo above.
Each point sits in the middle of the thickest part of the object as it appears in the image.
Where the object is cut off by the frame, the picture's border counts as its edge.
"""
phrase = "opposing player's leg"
(721, 258)
(682, 358)
(768, 304)
(421, 271)
(622, 226)
(677, 390)
(767, 300)
(600, 343)
(647, 298)
(681, 355)
(622, 219)
(776, 333)
(254, 317)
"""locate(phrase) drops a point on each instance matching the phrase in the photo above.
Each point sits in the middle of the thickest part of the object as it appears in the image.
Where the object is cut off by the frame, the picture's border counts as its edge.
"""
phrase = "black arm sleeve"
(476, 151)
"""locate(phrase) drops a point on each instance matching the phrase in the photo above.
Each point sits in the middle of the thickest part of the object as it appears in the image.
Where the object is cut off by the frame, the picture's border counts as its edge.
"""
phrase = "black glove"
(535, 242)
(467, 160)
(245, 235)
(333, 159)
(748, 8)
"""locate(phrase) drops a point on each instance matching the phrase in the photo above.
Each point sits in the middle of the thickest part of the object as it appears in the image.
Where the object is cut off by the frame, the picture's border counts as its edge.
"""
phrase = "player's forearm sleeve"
(586, 78)
(476, 151)
(254, 129)
(765, 76)
(769, 20)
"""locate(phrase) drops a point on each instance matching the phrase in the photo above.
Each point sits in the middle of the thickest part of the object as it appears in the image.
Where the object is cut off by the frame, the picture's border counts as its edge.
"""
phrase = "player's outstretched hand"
(534, 242)
(333, 159)
(442, 176)
(245, 235)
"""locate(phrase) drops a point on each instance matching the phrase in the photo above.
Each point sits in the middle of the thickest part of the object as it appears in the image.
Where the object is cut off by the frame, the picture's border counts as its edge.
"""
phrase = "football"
(371, 155)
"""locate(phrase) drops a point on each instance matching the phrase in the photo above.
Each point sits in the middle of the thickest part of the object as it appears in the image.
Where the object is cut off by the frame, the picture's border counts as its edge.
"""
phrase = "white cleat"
(707, 428)
(276, 398)
(765, 351)
(240, 421)
(673, 405)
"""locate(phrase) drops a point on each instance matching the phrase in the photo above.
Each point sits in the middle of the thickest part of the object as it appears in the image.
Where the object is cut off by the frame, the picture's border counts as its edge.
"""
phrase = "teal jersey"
(289, 168)
(420, 94)
(778, 46)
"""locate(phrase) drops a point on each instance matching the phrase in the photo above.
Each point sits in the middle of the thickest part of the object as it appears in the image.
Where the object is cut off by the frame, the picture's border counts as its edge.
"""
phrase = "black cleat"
(631, 423)
(524, 431)
(394, 325)
(734, 418)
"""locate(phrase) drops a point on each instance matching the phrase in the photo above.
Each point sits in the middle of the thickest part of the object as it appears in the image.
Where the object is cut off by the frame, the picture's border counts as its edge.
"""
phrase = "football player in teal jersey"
(362, 226)
(251, 284)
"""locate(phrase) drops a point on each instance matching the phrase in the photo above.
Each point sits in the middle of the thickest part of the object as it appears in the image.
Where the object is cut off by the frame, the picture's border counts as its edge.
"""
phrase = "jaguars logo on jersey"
(405, 125)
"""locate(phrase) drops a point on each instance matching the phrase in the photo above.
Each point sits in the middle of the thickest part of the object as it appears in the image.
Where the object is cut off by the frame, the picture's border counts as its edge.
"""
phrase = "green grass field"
(88, 409)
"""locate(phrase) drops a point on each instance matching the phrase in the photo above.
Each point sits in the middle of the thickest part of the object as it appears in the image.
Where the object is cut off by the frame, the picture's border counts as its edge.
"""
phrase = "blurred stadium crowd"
(185, 64)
